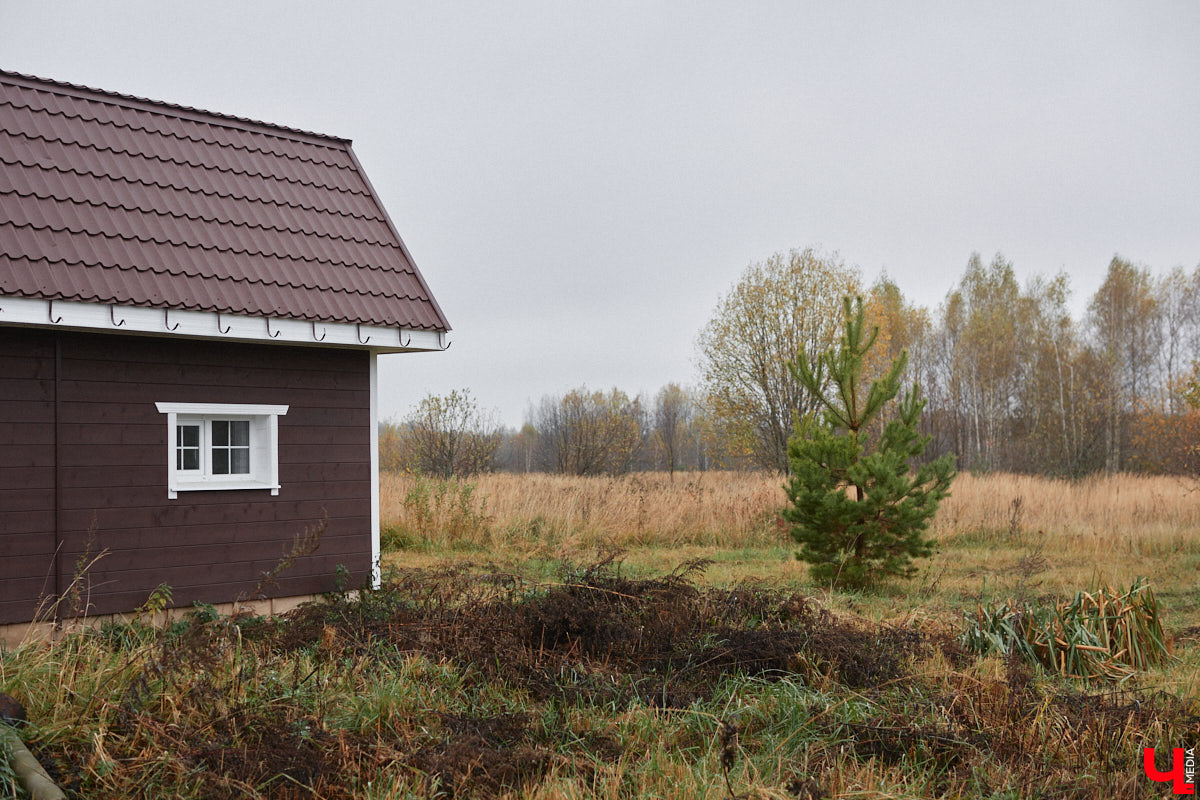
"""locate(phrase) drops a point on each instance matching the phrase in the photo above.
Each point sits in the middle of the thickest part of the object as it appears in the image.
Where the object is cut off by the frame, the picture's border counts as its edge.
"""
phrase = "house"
(192, 306)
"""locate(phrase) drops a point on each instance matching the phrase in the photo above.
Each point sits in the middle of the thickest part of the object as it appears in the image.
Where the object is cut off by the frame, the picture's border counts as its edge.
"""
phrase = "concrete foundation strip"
(28, 771)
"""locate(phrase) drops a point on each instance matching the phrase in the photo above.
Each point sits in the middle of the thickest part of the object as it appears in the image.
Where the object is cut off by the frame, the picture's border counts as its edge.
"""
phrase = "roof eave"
(214, 326)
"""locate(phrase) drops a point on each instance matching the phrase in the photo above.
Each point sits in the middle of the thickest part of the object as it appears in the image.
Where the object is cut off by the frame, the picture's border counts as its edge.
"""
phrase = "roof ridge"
(169, 109)
(186, 163)
(233, 145)
(190, 190)
(196, 218)
(206, 248)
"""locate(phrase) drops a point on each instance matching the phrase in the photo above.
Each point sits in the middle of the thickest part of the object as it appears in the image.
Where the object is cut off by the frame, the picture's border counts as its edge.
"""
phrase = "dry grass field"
(1155, 514)
(511, 654)
(728, 509)
(999, 536)
(1111, 527)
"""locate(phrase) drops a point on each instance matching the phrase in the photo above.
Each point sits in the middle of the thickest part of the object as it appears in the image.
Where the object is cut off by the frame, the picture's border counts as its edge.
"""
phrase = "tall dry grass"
(728, 509)
(1152, 512)
(740, 509)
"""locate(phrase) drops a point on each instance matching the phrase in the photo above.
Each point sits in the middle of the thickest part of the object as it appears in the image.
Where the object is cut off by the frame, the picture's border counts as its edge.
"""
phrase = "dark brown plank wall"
(208, 546)
(26, 472)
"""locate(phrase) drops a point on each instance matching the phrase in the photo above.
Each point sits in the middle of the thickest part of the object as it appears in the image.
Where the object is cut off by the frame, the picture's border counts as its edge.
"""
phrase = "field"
(991, 531)
(550, 637)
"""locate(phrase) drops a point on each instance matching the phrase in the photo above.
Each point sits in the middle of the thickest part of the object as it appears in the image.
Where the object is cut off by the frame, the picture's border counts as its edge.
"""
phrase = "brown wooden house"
(191, 310)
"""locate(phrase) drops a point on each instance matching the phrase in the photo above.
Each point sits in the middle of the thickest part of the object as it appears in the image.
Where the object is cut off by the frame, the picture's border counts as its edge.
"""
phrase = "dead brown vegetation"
(474, 682)
(740, 509)
(599, 637)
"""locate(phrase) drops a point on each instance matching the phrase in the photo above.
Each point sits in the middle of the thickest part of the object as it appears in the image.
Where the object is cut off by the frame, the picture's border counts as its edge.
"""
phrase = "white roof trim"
(25, 311)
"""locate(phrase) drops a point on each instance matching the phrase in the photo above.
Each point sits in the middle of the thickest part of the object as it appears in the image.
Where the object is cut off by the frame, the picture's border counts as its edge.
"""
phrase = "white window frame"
(264, 446)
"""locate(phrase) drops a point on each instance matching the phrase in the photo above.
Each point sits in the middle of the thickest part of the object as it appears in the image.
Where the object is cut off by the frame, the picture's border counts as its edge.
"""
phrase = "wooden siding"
(26, 472)
(109, 472)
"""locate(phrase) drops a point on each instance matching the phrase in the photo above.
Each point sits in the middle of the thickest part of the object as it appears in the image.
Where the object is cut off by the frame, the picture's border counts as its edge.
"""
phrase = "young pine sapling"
(858, 508)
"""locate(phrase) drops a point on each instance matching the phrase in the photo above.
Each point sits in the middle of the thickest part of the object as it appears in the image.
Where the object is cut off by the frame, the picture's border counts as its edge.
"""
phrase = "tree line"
(1013, 381)
(579, 432)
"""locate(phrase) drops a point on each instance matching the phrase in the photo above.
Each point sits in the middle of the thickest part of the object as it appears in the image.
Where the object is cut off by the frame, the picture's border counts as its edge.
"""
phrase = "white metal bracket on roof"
(102, 317)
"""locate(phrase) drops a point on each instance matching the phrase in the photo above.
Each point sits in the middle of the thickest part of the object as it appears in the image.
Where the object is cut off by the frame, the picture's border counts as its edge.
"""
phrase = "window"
(221, 447)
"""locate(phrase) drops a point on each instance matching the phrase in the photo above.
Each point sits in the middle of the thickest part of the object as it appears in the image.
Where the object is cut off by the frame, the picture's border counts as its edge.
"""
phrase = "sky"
(581, 183)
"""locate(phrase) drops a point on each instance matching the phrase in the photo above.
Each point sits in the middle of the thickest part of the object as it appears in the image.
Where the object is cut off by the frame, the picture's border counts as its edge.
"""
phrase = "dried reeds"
(1100, 635)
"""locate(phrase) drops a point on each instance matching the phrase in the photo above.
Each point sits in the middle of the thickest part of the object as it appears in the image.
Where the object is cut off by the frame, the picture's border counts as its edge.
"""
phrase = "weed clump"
(1101, 635)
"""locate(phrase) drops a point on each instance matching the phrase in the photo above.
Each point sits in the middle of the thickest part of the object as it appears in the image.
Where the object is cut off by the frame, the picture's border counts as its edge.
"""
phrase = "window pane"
(240, 433)
(220, 461)
(240, 461)
(188, 436)
(187, 447)
(220, 432)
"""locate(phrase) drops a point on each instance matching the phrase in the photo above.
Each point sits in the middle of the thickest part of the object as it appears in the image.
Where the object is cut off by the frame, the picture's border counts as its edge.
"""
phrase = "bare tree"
(982, 359)
(1178, 298)
(449, 435)
(672, 415)
(1052, 420)
(588, 432)
(524, 448)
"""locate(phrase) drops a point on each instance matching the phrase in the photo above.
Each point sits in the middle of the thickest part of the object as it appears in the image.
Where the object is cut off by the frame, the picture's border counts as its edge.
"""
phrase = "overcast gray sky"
(580, 184)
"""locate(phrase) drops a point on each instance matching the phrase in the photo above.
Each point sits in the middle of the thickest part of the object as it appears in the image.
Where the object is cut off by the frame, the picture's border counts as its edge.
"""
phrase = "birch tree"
(1124, 318)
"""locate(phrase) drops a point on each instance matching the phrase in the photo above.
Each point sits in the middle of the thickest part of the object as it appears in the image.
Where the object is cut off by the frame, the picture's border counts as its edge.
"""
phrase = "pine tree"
(859, 512)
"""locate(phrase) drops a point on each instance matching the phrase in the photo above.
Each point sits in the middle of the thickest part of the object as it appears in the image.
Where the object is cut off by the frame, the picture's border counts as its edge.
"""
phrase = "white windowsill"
(219, 486)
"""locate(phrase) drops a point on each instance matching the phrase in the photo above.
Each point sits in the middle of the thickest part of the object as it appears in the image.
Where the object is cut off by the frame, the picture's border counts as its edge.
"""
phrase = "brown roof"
(108, 198)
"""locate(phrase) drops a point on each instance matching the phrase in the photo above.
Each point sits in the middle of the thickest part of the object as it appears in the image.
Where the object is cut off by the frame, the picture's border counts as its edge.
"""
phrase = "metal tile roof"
(109, 198)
